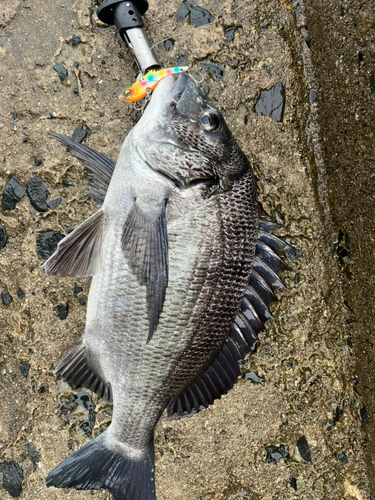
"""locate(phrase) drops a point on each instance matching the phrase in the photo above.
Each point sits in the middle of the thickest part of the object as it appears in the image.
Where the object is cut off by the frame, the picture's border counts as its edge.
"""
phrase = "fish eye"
(210, 121)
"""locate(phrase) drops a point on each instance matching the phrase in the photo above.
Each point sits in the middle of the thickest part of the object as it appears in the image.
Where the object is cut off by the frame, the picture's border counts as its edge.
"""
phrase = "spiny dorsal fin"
(221, 375)
(78, 368)
(145, 246)
(78, 254)
(99, 167)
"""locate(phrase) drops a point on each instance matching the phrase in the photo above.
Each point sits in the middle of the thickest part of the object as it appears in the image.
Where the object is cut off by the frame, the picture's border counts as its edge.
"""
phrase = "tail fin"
(95, 466)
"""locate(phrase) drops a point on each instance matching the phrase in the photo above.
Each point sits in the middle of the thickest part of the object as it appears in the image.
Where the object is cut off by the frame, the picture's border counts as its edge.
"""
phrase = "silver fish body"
(171, 253)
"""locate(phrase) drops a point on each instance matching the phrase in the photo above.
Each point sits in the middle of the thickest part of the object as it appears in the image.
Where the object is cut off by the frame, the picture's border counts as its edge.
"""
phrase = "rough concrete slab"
(306, 354)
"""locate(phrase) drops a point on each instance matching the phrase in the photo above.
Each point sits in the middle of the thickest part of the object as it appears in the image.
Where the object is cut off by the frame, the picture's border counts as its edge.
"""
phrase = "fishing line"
(218, 20)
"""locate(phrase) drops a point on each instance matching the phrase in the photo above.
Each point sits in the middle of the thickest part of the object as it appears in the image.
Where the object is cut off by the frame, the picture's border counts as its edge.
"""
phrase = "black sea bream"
(176, 298)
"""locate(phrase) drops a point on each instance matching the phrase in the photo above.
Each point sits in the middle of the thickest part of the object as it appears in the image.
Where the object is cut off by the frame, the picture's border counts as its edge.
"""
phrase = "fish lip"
(179, 86)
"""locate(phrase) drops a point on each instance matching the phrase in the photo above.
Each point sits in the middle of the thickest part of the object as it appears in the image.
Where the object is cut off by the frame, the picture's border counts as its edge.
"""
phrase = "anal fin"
(78, 369)
(78, 254)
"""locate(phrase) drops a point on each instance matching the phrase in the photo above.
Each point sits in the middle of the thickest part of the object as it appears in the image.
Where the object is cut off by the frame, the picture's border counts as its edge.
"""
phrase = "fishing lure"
(147, 83)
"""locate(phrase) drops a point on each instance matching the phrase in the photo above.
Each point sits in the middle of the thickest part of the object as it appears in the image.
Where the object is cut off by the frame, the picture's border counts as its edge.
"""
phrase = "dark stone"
(33, 454)
(46, 243)
(135, 118)
(12, 478)
(271, 102)
(372, 83)
(13, 192)
(120, 55)
(198, 15)
(101, 115)
(38, 161)
(253, 377)
(25, 139)
(61, 71)
(76, 40)
(31, 268)
(79, 133)
(75, 65)
(246, 120)
(43, 388)
(276, 453)
(182, 61)
(77, 290)
(293, 483)
(82, 302)
(24, 368)
(169, 44)
(75, 91)
(38, 194)
(95, 129)
(21, 459)
(21, 294)
(6, 298)
(229, 34)
(292, 253)
(183, 11)
(216, 71)
(62, 311)
(67, 183)
(14, 115)
(342, 458)
(313, 96)
(364, 416)
(304, 450)
(53, 204)
(3, 238)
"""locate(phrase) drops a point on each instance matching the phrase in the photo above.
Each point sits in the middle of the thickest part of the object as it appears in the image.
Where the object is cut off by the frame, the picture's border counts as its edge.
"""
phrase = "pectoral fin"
(78, 254)
(145, 246)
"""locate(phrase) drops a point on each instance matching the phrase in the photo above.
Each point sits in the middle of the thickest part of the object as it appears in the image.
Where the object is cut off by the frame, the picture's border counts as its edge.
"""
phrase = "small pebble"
(342, 458)
(24, 368)
(38, 194)
(46, 243)
(304, 450)
(6, 298)
(89, 60)
(277, 453)
(62, 311)
(13, 192)
(21, 294)
(3, 238)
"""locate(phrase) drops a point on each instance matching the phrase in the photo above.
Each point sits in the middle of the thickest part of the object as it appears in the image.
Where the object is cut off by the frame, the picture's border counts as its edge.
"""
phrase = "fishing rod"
(126, 15)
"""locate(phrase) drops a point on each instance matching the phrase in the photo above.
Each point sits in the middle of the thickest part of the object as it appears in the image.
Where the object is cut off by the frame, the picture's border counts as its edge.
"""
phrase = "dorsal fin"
(78, 254)
(99, 167)
(221, 375)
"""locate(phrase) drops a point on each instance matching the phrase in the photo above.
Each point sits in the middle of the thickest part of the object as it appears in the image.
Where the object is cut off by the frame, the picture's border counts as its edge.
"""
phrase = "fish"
(147, 83)
(183, 274)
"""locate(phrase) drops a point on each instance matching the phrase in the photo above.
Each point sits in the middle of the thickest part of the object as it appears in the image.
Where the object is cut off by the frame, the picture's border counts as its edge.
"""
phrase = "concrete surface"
(311, 353)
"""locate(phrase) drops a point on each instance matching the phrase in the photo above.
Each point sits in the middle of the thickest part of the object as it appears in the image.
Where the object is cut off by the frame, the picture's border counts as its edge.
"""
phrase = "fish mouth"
(179, 87)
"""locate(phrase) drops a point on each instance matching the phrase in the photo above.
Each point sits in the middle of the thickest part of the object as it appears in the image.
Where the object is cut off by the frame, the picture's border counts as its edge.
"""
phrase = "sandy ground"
(306, 351)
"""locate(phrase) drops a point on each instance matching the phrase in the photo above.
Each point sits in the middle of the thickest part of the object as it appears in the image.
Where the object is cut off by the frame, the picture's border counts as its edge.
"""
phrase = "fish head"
(185, 138)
